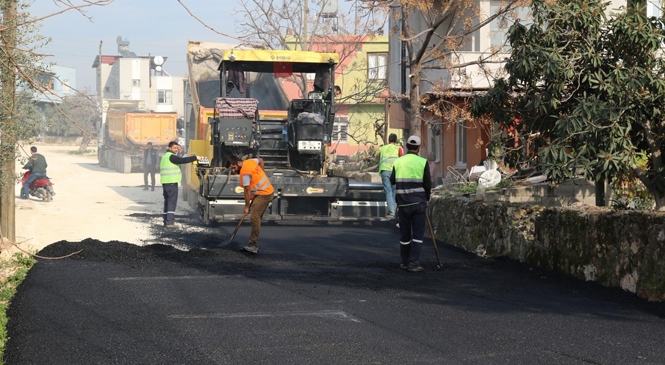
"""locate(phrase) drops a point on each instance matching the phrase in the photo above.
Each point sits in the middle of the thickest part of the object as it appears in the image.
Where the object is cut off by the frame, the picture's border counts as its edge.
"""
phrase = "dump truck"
(126, 129)
(237, 106)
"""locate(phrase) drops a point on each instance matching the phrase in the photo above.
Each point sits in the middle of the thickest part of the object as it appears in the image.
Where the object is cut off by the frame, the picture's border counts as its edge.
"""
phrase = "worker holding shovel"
(413, 186)
(258, 194)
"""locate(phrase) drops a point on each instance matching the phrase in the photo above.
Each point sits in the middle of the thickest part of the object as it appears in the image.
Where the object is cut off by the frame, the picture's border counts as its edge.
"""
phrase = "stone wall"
(615, 248)
(574, 191)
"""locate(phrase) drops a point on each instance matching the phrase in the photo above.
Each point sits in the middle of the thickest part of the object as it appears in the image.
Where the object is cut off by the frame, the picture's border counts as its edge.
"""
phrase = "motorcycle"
(41, 188)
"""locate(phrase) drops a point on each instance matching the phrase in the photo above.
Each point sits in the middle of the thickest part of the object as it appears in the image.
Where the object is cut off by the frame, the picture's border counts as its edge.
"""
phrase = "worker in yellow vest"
(413, 186)
(169, 176)
(388, 154)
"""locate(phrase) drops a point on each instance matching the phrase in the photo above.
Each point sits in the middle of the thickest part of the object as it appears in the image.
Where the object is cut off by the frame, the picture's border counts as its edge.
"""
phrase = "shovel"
(431, 233)
(233, 235)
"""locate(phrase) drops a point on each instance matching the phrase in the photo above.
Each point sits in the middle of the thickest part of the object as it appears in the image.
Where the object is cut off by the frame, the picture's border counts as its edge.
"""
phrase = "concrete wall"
(615, 248)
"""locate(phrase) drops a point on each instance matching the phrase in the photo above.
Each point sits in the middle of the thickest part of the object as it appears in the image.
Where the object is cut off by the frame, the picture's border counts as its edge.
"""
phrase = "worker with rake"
(413, 185)
(259, 192)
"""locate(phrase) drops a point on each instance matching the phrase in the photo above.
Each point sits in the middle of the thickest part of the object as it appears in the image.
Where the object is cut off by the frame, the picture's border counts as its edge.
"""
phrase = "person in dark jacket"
(413, 186)
(150, 165)
(169, 176)
(37, 166)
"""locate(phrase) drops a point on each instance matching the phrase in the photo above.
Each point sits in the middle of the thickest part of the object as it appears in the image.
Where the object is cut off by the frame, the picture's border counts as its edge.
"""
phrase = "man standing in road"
(37, 166)
(169, 176)
(388, 154)
(413, 184)
(258, 194)
(150, 161)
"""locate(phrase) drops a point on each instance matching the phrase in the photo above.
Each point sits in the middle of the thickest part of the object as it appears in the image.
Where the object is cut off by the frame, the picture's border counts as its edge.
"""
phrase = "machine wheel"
(205, 216)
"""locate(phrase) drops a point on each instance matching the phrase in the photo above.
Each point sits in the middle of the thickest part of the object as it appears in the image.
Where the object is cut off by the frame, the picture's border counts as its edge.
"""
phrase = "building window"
(136, 82)
(499, 26)
(47, 82)
(435, 143)
(341, 130)
(460, 145)
(65, 87)
(377, 66)
(164, 97)
(654, 8)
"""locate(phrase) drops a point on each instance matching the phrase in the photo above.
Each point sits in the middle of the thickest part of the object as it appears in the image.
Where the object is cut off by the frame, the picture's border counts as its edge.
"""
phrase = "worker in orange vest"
(258, 194)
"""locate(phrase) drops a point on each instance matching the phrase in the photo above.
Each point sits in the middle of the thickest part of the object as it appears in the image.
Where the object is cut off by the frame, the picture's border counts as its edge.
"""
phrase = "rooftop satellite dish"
(489, 178)
(158, 61)
(329, 8)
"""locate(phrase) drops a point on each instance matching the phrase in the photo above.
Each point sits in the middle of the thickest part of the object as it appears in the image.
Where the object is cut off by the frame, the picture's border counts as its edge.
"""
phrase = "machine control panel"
(309, 145)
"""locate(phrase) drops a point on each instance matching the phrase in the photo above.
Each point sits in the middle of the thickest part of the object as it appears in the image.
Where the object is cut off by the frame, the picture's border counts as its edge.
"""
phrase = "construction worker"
(413, 186)
(388, 154)
(169, 176)
(150, 160)
(258, 193)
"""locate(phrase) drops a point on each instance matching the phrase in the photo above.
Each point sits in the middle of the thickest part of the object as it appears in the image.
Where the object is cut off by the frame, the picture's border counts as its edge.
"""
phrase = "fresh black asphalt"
(315, 294)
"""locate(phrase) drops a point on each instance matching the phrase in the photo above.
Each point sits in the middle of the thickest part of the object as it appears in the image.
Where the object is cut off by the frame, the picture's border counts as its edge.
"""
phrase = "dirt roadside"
(90, 202)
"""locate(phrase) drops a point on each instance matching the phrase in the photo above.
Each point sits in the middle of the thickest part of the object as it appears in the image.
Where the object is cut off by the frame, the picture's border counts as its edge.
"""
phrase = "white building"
(127, 76)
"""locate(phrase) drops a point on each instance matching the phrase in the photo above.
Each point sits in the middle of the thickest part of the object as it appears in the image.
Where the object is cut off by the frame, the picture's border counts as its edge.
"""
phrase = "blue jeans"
(31, 179)
(390, 191)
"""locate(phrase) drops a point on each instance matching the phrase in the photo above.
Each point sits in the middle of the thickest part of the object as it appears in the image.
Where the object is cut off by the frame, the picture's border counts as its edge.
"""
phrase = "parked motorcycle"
(41, 188)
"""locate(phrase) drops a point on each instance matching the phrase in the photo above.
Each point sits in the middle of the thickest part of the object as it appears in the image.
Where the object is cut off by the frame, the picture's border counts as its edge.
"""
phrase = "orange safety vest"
(259, 184)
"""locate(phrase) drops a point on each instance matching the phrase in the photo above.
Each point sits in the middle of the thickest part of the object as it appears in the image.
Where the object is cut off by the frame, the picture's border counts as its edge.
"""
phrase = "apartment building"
(127, 76)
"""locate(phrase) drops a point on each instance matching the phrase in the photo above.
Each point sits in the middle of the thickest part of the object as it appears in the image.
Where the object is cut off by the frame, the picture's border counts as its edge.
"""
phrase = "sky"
(153, 27)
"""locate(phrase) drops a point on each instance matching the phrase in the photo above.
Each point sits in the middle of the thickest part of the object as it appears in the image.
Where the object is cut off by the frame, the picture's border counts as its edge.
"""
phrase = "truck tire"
(110, 160)
(115, 161)
(101, 157)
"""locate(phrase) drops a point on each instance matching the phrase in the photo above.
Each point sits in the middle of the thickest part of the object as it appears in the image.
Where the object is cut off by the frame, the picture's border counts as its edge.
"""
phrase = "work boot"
(251, 248)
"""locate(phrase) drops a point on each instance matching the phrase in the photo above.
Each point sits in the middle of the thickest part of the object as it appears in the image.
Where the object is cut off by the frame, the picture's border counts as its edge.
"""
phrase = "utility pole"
(7, 122)
(99, 75)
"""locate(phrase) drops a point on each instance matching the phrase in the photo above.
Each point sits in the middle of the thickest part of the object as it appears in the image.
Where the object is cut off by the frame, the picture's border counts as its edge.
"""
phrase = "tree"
(300, 25)
(433, 35)
(20, 67)
(586, 95)
(77, 115)
(304, 25)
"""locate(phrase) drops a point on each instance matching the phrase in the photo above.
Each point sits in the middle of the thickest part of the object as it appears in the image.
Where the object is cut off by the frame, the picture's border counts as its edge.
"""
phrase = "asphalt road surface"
(315, 294)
